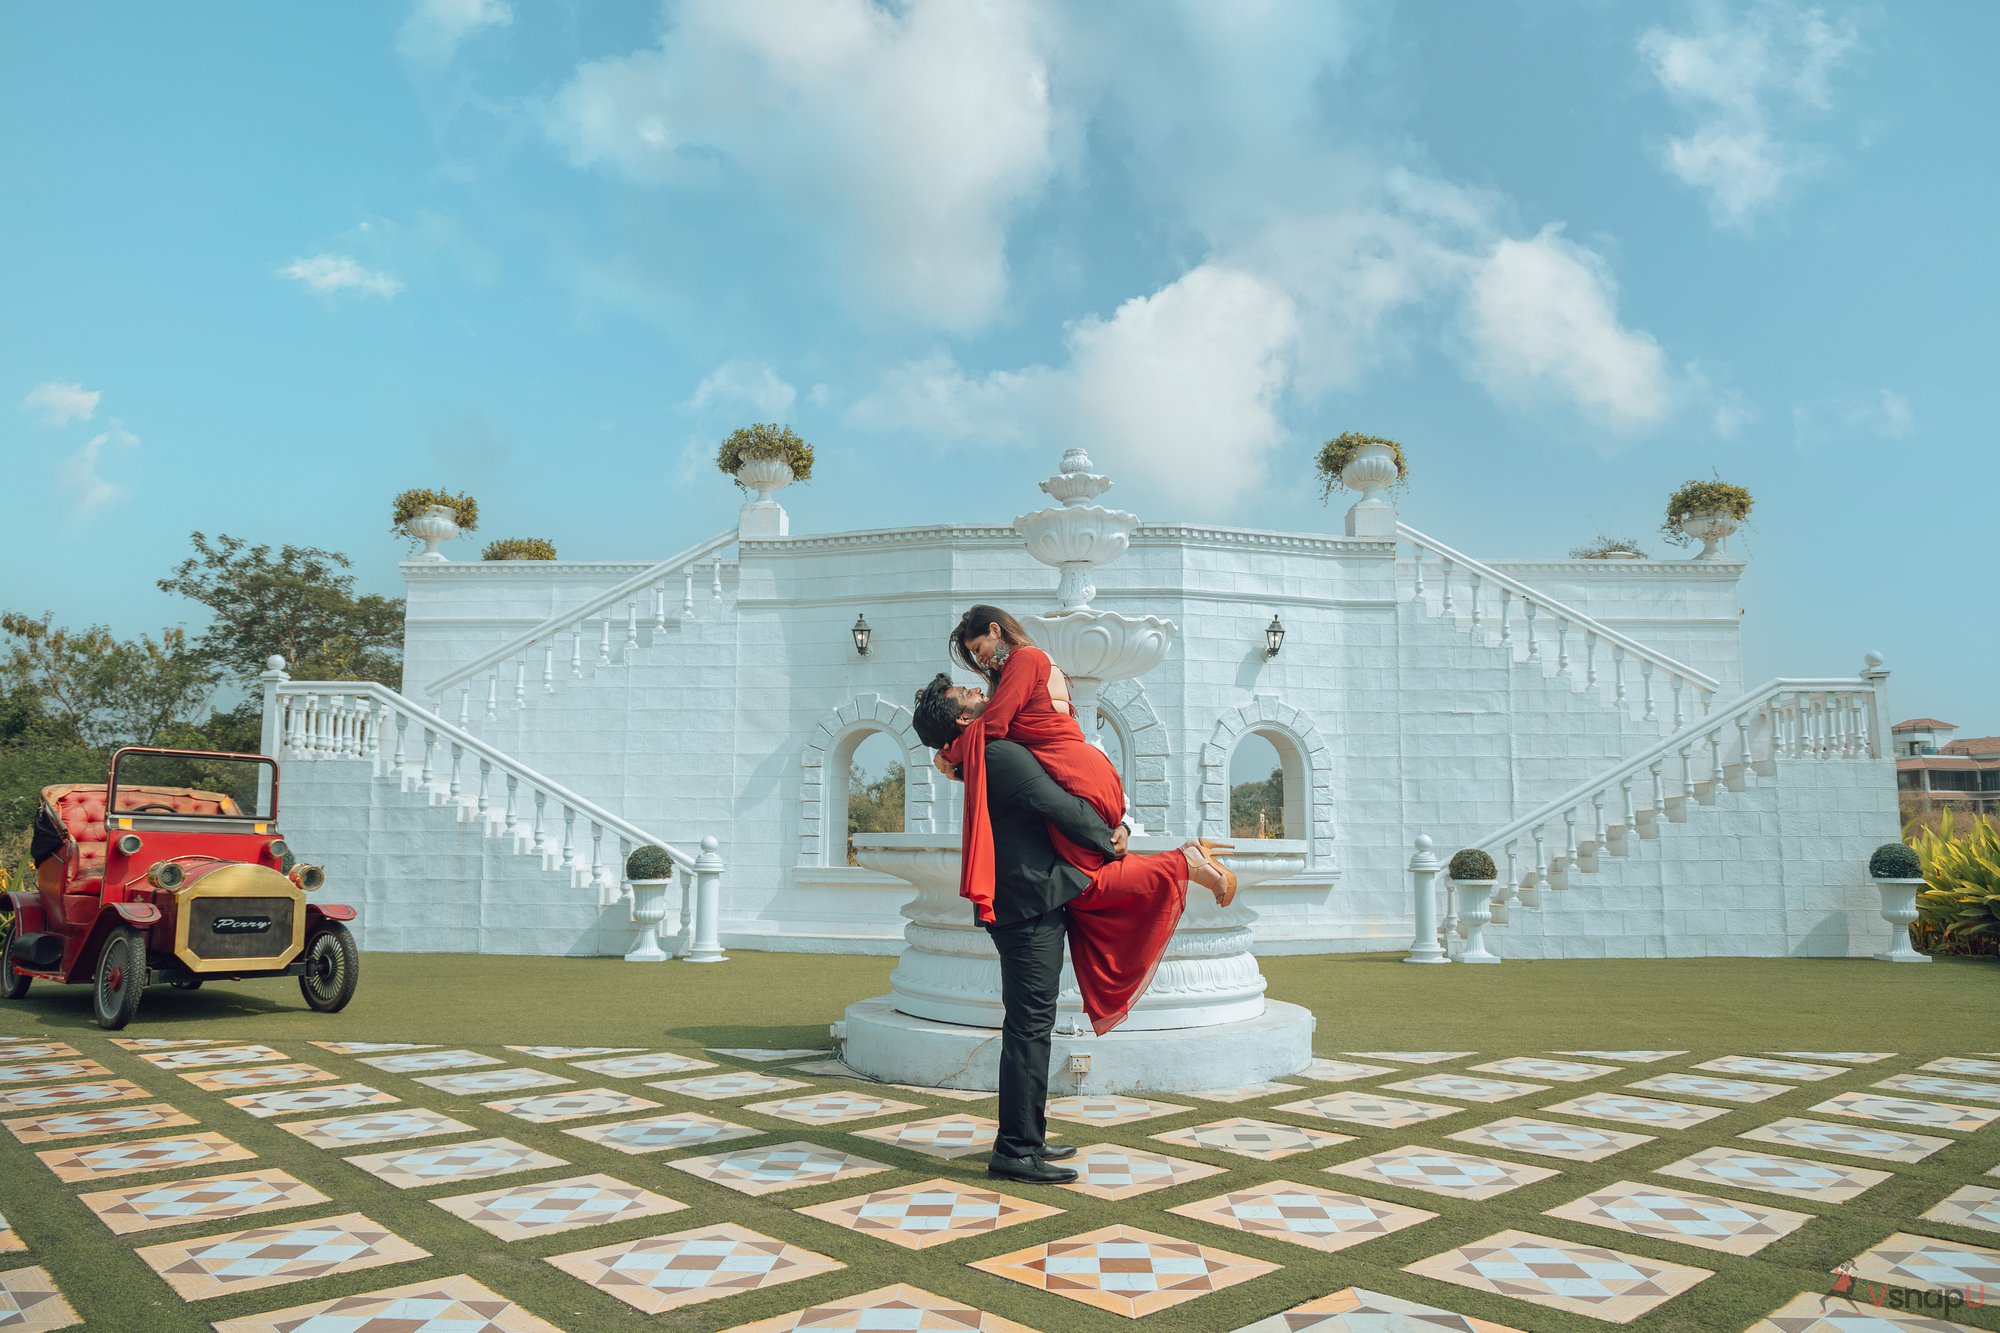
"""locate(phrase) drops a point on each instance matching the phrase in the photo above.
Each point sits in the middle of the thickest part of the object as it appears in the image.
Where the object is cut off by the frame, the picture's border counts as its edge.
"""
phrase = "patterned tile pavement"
(43, 1071)
(1886, 1145)
(1691, 1219)
(1126, 1270)
(354, 1131)
(1549, 1071)
(285, 1101)
(1931, 1085)
(1358, 1310)
(1924, 1262)
(1962, 1065)
(373, 1047)
(1249, 1092)
(1106, 1111)
(951, 1135)
(898, 1309)
(1367, 1108)
(782, 1166)
(1465, 1088)
(514, 1212)
(1563, 1275)
(639, 1066)
(1546, 1138)
(202, 1057)
(1435, 1171)
(31, 1303)
(1260, 1140)
(762, 1055)
(440, 1305)
(207, 1199)
(37, 1050)
(572, 1052)
(1973, 1206)
(552, 1108)
(1412, 1057)
(70, 1094)
(716, 1087)
(271, 1256)
(424, 1061)
(161, 1043)
(1627, 1057)
(660, 1273)
(1812, 1312)
(1904, 1111)
(10, 1239)
(1798, 1071)
(1647, 1111)
(85, 1124)
(1111, 1171)
(483, 1081)
(480, 1159)
(120, 1159)
(1716, 1089)
(1319, 1219)
(831, 1108)
(1842, 1057)
(931, 1212)
(256, 1076)
(1324, 1070)
(1795, 1177)
(680, 1129)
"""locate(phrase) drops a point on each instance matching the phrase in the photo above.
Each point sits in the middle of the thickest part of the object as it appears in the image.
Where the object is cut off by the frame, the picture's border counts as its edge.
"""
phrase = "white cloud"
(335, 273)
(434, 29)
(912, 135)
(61, 403)
(1885, 414)
(751, 384)
(1733, 77)
(1542, 318)
(84, 477)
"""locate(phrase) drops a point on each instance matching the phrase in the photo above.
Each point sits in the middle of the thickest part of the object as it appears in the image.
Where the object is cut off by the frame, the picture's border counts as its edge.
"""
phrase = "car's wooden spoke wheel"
(121, 978)
(333, 969)
(12, 984)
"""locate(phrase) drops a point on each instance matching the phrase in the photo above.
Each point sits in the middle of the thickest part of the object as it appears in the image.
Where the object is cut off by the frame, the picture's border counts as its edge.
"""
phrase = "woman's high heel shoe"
(1211, 854)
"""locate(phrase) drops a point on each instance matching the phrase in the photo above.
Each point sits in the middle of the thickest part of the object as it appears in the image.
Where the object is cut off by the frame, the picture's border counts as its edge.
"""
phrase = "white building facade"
(1585, 721)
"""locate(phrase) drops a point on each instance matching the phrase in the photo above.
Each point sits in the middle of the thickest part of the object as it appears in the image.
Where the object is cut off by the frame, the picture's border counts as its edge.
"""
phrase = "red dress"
(1119, 926)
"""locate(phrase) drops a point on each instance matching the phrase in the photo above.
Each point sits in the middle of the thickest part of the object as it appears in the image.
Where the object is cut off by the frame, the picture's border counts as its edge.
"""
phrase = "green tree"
(1248, 800)
(299, 603)
(873, 807)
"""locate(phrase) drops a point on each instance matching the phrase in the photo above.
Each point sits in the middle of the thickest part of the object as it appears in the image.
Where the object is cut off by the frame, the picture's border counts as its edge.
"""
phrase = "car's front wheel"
(12, 984)
(121, 978)
(333, 968)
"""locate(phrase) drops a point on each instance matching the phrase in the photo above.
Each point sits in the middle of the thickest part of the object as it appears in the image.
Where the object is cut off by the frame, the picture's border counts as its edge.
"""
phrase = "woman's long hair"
(973, 624)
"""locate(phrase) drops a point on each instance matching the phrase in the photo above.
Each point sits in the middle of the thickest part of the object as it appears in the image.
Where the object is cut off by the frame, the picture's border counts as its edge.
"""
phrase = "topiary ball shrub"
(649, 863)
(762, 441)
(464, 509)
(1895, 860)
(519, 548)
(1472, 864)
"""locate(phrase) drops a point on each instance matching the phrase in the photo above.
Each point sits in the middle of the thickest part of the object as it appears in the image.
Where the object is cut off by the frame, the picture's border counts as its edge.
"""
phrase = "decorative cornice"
(1716, 570)
(537, 570)
(1166, 534)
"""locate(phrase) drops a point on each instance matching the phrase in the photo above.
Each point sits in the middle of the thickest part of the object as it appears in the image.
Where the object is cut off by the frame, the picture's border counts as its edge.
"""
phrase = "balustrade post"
(541, 846)
(1562, 646)
(548, 668)
(569, 840)
(1659, 792)
(604, 642)
(1687, 775)
(1602, 834)
(485, 774)
(402, 726)
(684, 941)
(493, 695)
(1875, 709)
(605, 891)
(687, 593)
(271, 735)
(1617, 673)
(1424, 948)
(708, 867)
(521, 682)
(1417, 566)
(1589, 659)
(457, 756)
(1646, 675)
(1445, 580)
(1534, 644)
(631, 628)
(1542, 858)
(1680, 715)
(715, 582)
(660, 606)
(576, 651)
(1506, 625)
(464, 707)
(430, 767)
(1476, 586)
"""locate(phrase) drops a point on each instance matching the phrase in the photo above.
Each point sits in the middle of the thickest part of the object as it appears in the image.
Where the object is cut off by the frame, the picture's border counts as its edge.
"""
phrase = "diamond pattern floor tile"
(1358, 1310)
(1974, 1206)
(484, 1081)
(42, 1071)
(1437, 1171)
(354, 1131)
(118, 1159)
(1549, 1071)
(1907, 1111)
(479, 1159)
(373, 1047)
(831, 1108)
(1796, 1177)
(1841, 1057)
(85, 1124)
(37, 1050)
(1797, 1071)
(1815, 1312)
(898, 1309)
(237, 1079)
(285, 1101)
(1125, 1270)
(30, 1302)
(159, 1043)
(437, 1305)
(424, 1062)
(574, 1052)
(204, 1057)
(1887, 1145)
(1411, 1057)
(1369, 1108)
(660, 1273)
(680, 1129)
(1307, 1215)
(780, 1166)
(1109, 1110)
(515, 1212)
(1960, 1065)
(716, 1087)
(555, 1107)
(207, 1199)
(1627, 1057)
(1933, 1085)
(952, 1135)
(10, 1239)
(1546, 1138)
(1249, 1092)
(1341, 1071)
(640, 1066)
(949, 1094)
(1647, 1111)
(763, 1054)
(1691, 1219)
(931, 1212)
(70, 1094)
(1562, 1275)
(1715, 1089)
(1465, 1088)
(1260, 1140)
(1111, 1171)
(1907, 1260)
(272, 1256)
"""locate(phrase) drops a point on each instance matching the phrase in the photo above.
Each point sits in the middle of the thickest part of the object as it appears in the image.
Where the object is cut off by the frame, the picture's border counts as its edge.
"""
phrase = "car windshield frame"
(267, 787)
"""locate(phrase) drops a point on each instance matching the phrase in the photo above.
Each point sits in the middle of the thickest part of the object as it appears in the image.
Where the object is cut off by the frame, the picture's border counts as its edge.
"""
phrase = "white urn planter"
(649, 909)
(1710, 528)
(763, 516)
(1372, 471)
(1899, 909)
(1475, 912)
(435, 526)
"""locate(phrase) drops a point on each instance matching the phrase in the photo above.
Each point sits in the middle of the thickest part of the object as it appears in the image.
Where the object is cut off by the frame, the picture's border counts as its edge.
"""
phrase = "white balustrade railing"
(311, 720)
(605, 626)
(1787, 719)
(1586, 651)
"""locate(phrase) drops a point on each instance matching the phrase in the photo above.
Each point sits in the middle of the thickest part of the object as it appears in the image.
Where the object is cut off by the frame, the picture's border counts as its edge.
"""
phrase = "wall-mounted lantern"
(861, 634)
(1274, 637)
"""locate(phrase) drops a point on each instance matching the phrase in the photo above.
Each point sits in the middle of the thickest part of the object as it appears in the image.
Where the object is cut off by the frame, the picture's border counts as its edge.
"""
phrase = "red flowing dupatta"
(1120, 926)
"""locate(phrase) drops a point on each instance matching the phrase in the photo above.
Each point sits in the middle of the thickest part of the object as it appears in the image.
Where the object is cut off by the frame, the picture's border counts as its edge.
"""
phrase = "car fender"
(138, 914)
(26, 904)
(83, 967)
(329, 912)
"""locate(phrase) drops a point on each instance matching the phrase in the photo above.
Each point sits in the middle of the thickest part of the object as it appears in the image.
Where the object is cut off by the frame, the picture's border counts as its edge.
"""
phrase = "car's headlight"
(166, 875)
(129, 844)
(308, 877)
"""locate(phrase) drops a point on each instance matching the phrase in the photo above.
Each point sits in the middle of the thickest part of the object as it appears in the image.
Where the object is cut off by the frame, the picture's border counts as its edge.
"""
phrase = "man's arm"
(1013, 774)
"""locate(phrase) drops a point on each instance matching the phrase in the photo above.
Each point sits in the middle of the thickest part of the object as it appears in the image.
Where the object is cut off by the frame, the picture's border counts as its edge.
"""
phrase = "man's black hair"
(935, 718)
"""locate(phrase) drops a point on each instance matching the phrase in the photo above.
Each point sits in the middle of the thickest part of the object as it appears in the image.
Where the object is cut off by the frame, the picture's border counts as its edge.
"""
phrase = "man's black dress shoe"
(1056, 1152)
(1031, 1170)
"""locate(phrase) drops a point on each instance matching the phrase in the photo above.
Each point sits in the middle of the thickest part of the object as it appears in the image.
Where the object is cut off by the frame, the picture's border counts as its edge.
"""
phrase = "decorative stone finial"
(1873, 660)
(277, 663)
(1076, 482)
(1424, 843)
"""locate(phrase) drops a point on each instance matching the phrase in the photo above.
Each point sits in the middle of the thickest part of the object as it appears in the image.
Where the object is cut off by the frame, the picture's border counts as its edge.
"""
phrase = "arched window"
(1267, 787)
(1111, 735)
(1270, 735)
(862, 763)
(866, 789)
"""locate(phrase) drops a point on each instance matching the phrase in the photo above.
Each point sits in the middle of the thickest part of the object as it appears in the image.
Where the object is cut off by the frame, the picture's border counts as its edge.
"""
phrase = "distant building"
(1931, 764)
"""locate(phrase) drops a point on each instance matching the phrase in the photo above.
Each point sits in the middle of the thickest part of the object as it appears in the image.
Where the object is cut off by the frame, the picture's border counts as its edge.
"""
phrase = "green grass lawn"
(1705, 1007)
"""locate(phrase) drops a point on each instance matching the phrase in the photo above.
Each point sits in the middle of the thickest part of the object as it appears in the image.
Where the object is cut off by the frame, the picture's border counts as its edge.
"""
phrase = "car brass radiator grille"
(239, 927)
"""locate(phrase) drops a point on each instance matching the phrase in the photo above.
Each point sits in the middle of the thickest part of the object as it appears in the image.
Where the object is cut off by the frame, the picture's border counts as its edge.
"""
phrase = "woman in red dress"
(1119, 927)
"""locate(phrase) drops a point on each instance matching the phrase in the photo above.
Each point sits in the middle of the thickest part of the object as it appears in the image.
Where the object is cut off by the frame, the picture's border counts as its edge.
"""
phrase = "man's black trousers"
(1031, 955)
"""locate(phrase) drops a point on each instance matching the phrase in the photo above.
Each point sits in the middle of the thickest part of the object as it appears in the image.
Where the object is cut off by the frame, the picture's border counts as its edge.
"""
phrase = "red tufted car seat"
(79, 810)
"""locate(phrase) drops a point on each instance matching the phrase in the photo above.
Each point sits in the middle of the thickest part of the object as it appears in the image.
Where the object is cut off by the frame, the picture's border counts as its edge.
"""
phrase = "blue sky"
(262, 267)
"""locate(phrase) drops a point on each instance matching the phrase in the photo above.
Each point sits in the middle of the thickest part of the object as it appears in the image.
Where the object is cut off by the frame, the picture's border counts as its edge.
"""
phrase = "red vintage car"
(172, 871)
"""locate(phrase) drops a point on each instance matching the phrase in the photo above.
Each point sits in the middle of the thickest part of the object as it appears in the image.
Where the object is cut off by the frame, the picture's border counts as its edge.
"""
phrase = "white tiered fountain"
(1204, 1022)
